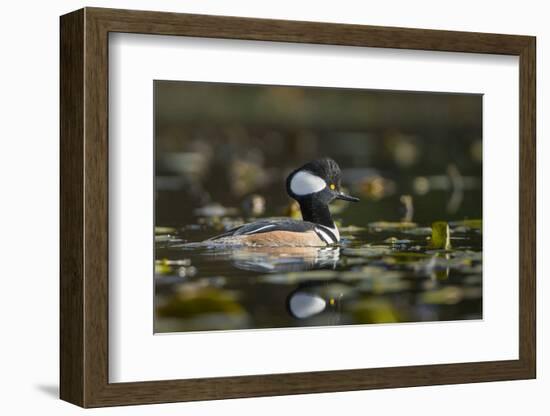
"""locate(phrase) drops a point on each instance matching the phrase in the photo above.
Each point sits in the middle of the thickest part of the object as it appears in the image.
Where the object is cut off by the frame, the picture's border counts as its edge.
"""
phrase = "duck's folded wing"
(264, 226)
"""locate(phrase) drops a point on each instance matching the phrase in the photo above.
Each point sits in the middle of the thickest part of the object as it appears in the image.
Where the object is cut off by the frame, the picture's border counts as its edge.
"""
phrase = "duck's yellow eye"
(332, 186)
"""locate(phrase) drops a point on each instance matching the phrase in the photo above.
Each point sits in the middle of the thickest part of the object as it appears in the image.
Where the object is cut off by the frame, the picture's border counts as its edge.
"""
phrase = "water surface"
(380, 273)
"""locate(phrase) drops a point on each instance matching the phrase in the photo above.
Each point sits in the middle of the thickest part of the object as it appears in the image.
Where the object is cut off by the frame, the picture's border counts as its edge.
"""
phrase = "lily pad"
(186, 304)
(386, 225)
(404, 257)
(448, 295)
(296, 277)
(375, 311)
(351, 229)
(420, 231)
(165, 230)
(367, 251)
(468, 224)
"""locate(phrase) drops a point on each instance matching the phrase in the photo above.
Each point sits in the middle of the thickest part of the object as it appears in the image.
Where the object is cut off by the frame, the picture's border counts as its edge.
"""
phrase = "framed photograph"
(254, 207)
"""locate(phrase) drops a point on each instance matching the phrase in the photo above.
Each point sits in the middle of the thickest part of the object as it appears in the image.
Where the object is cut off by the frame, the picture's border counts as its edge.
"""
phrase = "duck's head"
(319, 179)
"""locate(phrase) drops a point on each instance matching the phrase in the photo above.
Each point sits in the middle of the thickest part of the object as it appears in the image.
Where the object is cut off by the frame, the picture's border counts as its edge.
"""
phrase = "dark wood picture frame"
(84, 207)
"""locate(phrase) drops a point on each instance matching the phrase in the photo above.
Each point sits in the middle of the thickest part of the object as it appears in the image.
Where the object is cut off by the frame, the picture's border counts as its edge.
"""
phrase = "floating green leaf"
(351, 229)
(465, 225)
(367, 251)
(199, 302)
(162, 267)
(375, 310)
(165, 230)
(441, 235)
(404, 257)
(445, 296)
(296, 277)
(387, 225)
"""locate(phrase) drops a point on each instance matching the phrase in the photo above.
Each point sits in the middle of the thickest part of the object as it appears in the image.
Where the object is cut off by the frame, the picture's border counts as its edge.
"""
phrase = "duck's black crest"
(325, 168)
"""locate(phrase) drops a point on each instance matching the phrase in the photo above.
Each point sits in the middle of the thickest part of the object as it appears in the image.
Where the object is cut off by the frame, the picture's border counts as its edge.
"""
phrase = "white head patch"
(305, 183)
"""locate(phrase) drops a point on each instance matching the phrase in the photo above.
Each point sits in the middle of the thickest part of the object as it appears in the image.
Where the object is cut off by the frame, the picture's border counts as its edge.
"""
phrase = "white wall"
(29, 208)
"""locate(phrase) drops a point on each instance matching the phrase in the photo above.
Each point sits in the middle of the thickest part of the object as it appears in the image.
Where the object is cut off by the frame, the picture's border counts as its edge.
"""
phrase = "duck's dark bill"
(347, 197)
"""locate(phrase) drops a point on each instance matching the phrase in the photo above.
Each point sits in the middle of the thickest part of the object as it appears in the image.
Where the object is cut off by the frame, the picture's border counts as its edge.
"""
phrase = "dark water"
(380, 273)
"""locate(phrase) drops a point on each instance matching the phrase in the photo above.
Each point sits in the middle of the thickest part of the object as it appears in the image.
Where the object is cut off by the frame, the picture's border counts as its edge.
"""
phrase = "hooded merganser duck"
(314, 186)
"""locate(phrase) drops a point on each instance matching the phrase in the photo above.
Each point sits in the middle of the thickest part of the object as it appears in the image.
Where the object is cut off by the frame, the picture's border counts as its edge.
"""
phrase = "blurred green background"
(221, 143)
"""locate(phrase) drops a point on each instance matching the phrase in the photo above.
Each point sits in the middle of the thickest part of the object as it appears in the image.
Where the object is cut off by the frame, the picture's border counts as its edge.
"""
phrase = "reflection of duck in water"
(314, 186)
(303, 305)
(316, 297)
(284, 259)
